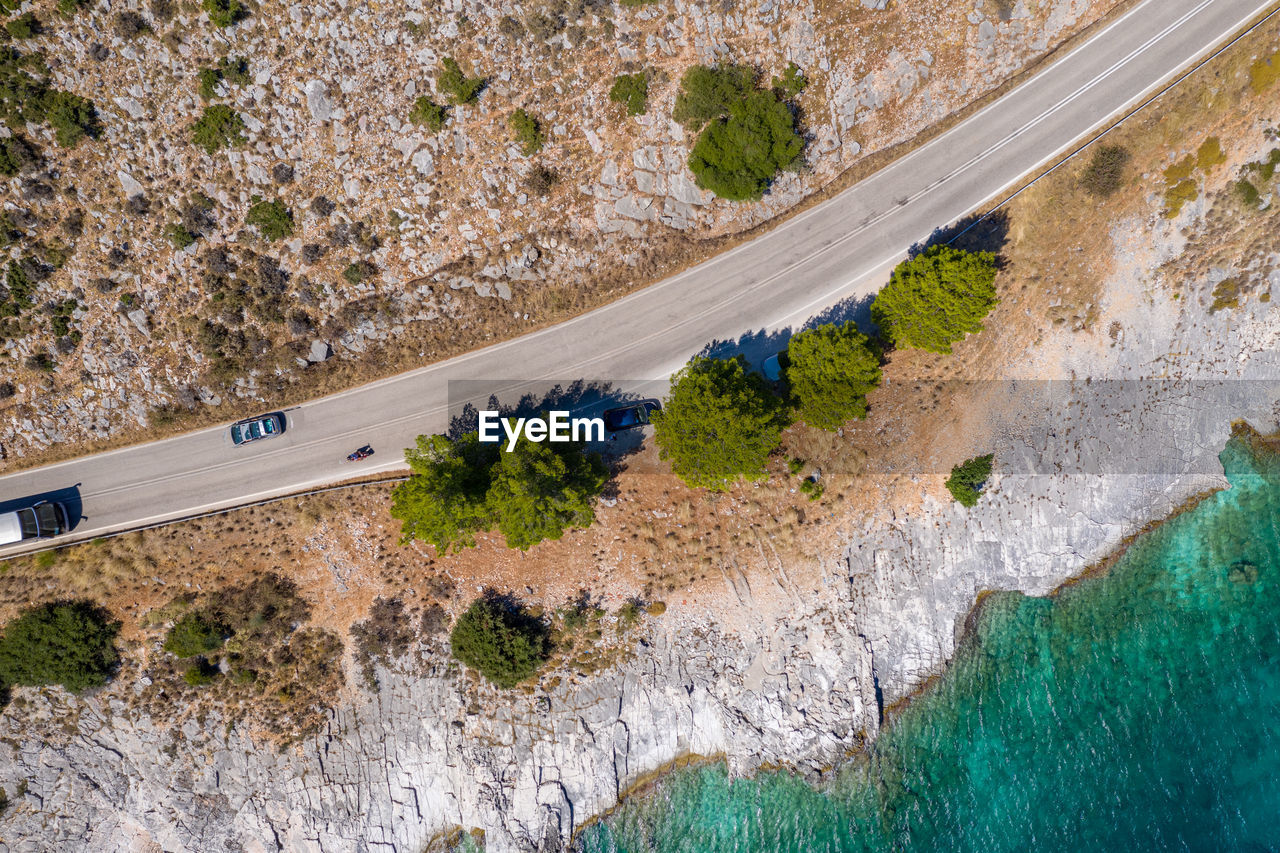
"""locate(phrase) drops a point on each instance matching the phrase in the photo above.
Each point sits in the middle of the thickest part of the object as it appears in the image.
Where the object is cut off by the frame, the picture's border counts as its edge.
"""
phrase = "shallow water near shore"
(1135, 710)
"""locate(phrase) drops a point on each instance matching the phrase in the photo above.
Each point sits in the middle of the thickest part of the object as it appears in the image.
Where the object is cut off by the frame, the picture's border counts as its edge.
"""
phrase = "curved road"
(837, 250)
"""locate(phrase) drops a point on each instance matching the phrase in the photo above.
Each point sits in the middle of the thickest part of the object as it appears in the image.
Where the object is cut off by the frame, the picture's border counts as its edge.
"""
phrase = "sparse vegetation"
(720, 423)
(501, 640)
(71, 643)
(460, 88)
(936, 298)
(194, 634)
(218, 127)
(541, 180)
(528, 132)
(273, 219)
(832, 369)
(968, 479)
(234, 70)
(746, 135)
(427, 113)
(791, 83)
(25, 26)
(387, 633)
(224, 13)
(632, 91)
(1105, 173)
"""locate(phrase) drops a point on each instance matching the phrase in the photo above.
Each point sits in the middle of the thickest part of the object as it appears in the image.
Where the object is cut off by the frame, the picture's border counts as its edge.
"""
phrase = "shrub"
(130, 25)
(502, 641)
(194, 634)
(832, 369)
(219, 126)
(720, 423)
(528, 132)
(631, 90)
(427, 113)
(235, 70)
(209, 79)
(1105, 173)
(273, 219)
(358, 271)
(936, 298)
(71, 117)
(223, 13)
(968, 478)
(1247, 193)
(17, 155)
(200, 673)
(162, 10)
(458, 86)
(460, 488)
(541, 180)
(791, 83)
(543, 25)
(71, 643)
(747, 135)
(737, 157)
(68, 8)
(707, 93)
(24, 26)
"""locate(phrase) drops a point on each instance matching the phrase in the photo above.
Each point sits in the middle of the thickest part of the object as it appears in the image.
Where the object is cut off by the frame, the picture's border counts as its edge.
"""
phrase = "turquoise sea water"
(1137, 710)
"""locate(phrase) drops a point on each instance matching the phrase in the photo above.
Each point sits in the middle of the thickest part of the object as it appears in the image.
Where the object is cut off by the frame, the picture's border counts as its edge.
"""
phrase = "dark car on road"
(631, 416)
(39, 521)
(256, 429)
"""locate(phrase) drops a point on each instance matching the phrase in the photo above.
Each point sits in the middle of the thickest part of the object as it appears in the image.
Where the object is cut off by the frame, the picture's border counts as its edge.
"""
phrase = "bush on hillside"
(720, 423)
(25, 26)
(458, 86)
(71, 643)
(71, 117)
(1105, 173)
(273, 219)
(968, 478)
(194, 634)
(427, 113)
(830, 372)
(502, 641)
(791, 83)
(936, 298)
(218, 127)
(737, 157)
(746, 135)
(707, 93)
(528, 132)
(224, 13)
(632, 91)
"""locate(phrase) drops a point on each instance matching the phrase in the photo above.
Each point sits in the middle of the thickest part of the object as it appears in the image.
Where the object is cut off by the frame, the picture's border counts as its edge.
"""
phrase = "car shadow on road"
(68, 496)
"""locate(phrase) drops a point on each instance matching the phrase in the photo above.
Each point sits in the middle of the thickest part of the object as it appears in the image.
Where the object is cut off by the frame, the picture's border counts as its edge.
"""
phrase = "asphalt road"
(830, 255)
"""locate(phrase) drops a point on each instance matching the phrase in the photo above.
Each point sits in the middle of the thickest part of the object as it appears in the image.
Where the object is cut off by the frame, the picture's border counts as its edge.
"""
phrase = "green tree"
(17, 155)
(219, 126)
(708, 93)
(71, 643)
(540, 489)
(24, 26)
(936, 298)
(501, 640)
(832, 369)
(223, 13)
(968, 478)
(737, 157)
(632, 90)
(463, 487)
(720, 423)
(194, 634)
(273, 219)
(528, 132)
(71, 117)
(428, 114)
(458, 86)
(443, 502)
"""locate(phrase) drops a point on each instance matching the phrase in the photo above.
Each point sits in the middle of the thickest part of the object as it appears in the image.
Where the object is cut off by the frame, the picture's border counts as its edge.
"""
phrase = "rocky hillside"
(260, 210)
